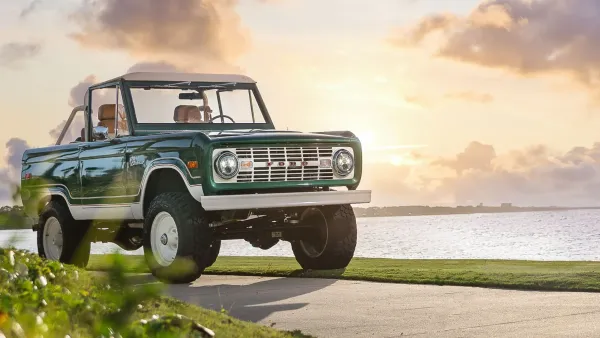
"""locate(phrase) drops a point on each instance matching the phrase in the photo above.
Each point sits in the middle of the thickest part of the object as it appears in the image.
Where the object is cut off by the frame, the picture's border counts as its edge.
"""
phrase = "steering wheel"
(219, 116)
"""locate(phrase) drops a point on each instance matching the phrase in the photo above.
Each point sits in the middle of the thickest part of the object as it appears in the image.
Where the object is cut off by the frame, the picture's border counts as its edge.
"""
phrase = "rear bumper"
(284, 200)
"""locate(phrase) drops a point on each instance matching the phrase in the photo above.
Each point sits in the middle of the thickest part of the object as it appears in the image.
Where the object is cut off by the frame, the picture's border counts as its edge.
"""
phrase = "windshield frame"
(144, 128)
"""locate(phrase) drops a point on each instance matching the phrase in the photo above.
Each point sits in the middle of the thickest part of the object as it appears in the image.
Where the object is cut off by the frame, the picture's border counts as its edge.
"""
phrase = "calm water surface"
(549, 235)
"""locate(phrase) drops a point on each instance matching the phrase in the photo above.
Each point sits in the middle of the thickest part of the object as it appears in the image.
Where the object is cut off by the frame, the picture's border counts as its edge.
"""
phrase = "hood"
(256, 135)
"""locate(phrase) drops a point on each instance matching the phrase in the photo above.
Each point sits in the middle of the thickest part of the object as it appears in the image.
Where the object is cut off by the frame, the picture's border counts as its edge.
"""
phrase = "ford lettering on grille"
(276, 164)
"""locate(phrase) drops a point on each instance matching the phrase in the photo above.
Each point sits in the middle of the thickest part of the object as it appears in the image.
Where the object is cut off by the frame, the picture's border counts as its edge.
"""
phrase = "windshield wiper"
(172, 84)
(222, 85)
(178, 84)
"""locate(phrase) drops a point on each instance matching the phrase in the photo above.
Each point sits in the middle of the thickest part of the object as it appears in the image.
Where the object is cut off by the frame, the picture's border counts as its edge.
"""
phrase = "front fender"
(175, 164)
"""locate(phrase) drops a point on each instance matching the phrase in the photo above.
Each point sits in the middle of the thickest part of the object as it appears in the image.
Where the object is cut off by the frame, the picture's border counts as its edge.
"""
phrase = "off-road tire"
(341, 240)
(214, 252)
(194, 238)
(76, 247)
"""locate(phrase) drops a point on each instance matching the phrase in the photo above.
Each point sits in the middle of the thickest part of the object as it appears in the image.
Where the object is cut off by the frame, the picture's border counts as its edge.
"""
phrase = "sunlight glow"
(400, 160)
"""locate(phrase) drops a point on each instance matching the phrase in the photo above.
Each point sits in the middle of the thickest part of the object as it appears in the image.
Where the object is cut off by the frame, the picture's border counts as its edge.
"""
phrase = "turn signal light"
(246, 164)
(325, 163)
(192, 164)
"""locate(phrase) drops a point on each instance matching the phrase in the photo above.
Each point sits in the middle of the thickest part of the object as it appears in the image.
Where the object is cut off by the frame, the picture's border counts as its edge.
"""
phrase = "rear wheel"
(177, 238)
(61, 238)
(331, 243)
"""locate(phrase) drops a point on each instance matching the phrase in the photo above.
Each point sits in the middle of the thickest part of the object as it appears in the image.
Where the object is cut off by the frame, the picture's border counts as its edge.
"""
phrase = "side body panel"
(103, 181)
(50, 170)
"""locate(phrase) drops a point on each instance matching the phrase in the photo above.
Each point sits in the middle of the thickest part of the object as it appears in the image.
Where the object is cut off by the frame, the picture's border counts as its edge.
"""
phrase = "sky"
(456, 102)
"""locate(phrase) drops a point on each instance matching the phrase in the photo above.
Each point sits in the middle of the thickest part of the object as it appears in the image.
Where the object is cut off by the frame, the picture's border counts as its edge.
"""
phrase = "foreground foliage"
(46, 298)
(511, 274)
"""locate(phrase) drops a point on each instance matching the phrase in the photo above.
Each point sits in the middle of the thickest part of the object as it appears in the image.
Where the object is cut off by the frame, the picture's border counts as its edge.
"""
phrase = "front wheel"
(177, 238)
(331, 242)
(215, 247)
(61, 238)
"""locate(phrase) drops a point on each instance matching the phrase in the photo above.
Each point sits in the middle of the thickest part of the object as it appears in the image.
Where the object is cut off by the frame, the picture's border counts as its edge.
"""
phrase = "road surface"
(337, 308)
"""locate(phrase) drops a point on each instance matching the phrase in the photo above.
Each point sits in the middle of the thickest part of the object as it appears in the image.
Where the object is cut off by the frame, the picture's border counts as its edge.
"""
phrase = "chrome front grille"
(277, 164)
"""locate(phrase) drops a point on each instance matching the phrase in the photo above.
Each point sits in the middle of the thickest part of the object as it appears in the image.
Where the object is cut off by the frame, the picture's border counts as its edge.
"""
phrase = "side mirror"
(100, 133)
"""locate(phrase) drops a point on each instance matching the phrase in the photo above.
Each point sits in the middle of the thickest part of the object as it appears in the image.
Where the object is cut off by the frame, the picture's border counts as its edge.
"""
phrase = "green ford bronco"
(175, 163)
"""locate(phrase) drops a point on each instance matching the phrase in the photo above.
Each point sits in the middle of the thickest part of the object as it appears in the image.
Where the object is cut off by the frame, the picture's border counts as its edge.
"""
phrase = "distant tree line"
(422, 210)
(13, 218)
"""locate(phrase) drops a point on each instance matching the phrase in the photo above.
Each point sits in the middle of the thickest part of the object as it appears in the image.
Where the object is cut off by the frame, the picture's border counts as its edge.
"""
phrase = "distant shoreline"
(398, 211)
(460, 210)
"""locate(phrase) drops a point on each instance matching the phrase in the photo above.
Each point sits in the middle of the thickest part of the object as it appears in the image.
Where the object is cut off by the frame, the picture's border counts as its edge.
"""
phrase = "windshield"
(182, 103)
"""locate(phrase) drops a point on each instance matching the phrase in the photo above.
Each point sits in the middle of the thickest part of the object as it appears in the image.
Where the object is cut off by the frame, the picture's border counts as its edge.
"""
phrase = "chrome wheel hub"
(52, 239)
(164, 239)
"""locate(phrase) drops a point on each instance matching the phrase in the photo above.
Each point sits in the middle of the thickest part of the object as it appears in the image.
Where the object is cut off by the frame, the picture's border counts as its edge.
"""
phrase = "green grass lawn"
(45, 298)
(527, 275)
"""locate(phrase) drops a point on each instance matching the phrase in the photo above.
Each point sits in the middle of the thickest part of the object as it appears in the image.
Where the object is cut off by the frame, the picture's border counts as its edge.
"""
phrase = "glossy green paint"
(110, 172)
(103, 172)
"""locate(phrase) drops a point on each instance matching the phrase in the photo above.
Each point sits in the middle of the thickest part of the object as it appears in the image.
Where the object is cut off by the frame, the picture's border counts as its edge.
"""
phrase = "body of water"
(548, 235)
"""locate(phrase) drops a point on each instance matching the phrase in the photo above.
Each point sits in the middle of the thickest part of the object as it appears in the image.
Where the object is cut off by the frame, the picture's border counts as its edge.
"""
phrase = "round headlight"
(226, 165)
(343, 162)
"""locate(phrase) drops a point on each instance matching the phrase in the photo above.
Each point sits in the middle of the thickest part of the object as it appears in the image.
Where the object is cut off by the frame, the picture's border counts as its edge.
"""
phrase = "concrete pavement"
(337, 308)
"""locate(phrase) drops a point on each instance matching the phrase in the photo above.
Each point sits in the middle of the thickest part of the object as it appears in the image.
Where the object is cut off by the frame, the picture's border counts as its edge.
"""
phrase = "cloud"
(198, 33)
(418, 100)
(10, 172)
(76, 98)
(32, 7)
(470, 96)
(535, 175)
(423, 28)
(159, 66)
(72, 133)
(16, 147)
(476, 156)
(429, 100)
(12, 54)
(77, 93)
(527, 37)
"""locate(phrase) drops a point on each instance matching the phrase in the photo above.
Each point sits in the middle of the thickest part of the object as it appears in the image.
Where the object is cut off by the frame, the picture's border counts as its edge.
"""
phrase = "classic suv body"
(106, 180)
(180, 187)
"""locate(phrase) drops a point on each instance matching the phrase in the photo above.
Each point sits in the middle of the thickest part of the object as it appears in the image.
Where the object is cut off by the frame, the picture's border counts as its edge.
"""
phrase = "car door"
(103, 161)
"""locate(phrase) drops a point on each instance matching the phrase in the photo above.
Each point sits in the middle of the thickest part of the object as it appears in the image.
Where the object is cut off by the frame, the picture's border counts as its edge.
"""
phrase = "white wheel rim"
(53, 239)
(164, 238)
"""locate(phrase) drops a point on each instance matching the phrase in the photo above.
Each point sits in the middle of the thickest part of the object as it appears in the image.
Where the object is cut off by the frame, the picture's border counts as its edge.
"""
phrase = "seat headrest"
(185, 113)
(107, 111)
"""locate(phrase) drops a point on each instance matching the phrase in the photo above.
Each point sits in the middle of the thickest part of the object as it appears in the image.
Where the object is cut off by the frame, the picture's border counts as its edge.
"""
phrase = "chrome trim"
(296, 163)
(337, 170)
(283, 200)
(218, 171)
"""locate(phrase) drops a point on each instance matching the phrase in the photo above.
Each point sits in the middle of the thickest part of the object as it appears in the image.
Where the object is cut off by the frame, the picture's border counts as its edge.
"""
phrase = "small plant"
(46, 298)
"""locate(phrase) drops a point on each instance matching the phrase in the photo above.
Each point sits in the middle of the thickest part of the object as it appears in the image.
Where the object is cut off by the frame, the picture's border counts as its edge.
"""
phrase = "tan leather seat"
(106, 117)
(187, 114)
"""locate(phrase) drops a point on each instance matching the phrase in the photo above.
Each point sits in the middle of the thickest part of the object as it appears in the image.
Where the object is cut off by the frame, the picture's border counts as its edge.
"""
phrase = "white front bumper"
(283, 200)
